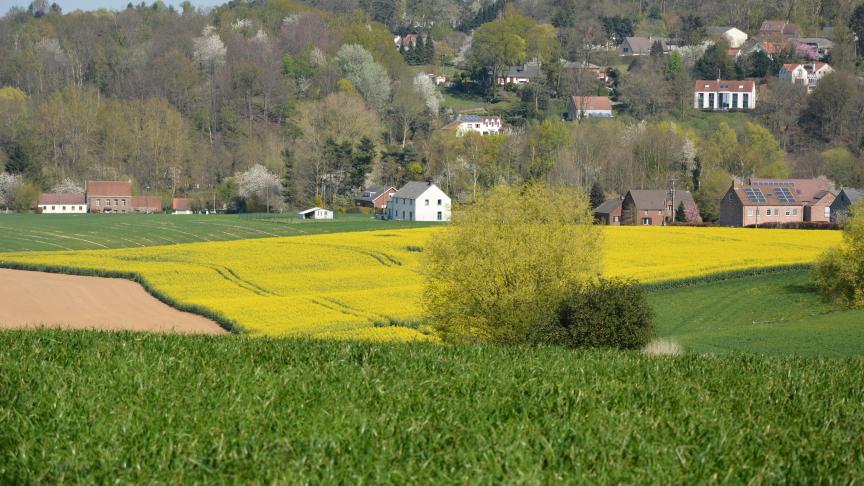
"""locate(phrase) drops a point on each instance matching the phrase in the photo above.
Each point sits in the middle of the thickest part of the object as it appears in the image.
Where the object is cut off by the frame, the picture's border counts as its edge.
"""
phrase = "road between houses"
(37, 299)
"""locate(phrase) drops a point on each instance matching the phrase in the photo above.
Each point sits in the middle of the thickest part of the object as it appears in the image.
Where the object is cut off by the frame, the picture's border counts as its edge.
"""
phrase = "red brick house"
(109, 196)
(776, 201)
(147, 204)
(375, 196)
(182, 205)
(609, 213)
(656, 207)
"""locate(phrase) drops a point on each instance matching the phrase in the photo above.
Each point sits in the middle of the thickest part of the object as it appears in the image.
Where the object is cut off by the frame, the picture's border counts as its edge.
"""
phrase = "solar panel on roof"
(785, 195)
(755, 195)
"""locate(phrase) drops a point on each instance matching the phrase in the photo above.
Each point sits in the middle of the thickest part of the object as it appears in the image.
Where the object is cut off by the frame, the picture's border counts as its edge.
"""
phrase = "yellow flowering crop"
(340, 285)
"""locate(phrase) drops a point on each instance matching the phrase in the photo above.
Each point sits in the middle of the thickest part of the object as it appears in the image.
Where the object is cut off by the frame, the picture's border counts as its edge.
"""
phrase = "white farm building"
(419, 201)
(62, 203)
(316, 213)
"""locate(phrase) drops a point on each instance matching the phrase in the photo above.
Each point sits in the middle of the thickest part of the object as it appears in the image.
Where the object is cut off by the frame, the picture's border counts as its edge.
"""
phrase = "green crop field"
(90, 407)
(41, 232)
(778, 314)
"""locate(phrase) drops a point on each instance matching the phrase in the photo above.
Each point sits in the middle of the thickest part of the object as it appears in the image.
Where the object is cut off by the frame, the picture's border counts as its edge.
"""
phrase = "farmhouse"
(484, 125)
(109, 196)
(316, 213)
(74, 203)
(419, 201)
(609, 213)
(846, 198)
(596, 70)
(580, 107)
(723, 95)
(776, 201)
(808, 74)
(524, 74)
(375, 196)
(182, 205)
(733, 36)
(147, 204)
(656, 207)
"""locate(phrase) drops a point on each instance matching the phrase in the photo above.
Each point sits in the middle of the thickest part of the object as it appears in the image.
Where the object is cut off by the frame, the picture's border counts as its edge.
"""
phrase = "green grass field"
(42, 232)
(88, 407)
(778, 314)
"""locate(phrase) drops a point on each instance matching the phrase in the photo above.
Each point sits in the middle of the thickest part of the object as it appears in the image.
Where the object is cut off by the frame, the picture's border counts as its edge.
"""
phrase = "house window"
(64, 208)
(403, 214)
(614, 219)
(734, 100)
(645, 213)
(768, 212)
(116, 203)
(795, 211)
(788, 212)
(53, 208)
(827, 212)
(646, 221)
(439, 202)
(746, 99)
(749, 211)
(97, 202)
(440, 216)
(426, 201)
(411, 215)
(701, 100)
(711, 100)
(124, 201)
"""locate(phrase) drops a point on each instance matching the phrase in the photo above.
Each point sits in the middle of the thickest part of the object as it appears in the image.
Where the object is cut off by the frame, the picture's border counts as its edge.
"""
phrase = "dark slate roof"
(528, 70)
(608, 207)
(413, 189)
(372, 192)
(853, 194)
(656, 199)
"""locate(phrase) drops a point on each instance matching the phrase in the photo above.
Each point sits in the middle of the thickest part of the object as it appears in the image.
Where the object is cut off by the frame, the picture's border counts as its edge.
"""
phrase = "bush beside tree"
(839, 273)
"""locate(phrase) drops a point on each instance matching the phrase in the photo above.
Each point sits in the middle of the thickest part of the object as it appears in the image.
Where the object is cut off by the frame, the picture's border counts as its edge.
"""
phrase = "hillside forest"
(271, 104)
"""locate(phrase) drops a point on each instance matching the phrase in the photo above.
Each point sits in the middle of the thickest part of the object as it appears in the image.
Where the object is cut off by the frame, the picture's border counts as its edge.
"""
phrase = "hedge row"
(722, 276)
(224, 322)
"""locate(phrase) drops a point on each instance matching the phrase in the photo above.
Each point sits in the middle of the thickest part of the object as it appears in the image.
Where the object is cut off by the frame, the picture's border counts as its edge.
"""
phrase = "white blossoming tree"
(369, 77)
(424, 86)
(260, 188)
(68, 186)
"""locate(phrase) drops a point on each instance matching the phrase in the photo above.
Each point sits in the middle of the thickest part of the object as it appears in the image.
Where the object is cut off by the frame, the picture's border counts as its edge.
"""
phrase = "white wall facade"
(724, 100)
(80, 208)
(432, 205)
(486, 126)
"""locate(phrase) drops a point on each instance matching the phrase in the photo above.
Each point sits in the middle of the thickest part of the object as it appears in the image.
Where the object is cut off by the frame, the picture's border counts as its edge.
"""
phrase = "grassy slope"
(32, 232)
(775, 314)
(99, 407)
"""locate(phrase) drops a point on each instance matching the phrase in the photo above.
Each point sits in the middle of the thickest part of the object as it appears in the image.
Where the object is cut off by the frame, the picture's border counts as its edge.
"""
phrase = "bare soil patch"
(38, 299)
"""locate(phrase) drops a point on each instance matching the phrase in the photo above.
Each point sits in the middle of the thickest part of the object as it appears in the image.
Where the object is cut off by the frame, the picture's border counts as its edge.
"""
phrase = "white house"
(522, 74)
(808, 74)
(484, 125)
(581, 107)
(74, 203)
(734, 37)
(722, 95)
(419, 201)
(316, 213)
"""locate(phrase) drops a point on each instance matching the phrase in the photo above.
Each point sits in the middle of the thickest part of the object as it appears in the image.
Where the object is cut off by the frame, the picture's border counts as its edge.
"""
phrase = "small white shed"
(316, 213)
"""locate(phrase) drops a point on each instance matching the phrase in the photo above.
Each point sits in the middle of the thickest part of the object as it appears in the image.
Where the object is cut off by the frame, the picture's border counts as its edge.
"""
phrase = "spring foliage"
(840, 272)
(507, 262)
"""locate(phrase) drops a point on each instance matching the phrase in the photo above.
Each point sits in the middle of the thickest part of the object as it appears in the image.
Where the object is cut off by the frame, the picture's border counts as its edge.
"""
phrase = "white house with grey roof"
(419, 201)
(484, 125)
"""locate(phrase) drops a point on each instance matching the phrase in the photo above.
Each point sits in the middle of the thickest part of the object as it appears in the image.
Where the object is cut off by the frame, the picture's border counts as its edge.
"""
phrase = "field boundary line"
(723, 276)
(220, 319)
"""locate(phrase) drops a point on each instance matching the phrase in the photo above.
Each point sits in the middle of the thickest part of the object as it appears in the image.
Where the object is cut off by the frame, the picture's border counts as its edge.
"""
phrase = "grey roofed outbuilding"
(529, 70)
(819, 42)
(608, 207)
(413, 189)
(642, 45)
(656, 199)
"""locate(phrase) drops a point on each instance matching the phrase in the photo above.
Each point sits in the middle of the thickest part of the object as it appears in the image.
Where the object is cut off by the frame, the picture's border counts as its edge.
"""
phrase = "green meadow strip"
(723, 276)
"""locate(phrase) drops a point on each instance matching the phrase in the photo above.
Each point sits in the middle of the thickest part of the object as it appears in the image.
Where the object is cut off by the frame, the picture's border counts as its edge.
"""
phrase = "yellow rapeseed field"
(340, 285)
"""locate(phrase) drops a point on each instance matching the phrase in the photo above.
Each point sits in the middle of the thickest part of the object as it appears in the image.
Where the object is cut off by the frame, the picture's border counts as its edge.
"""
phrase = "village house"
(819, 46)
(724, 95)
(375, 196)
(73, 203)
(419, 201)
(580, 107)
(656, 207)
(147, 204)
(181, 205)
(609, 213)
(844, 200)
(733, 36)
(639, 46)
(807, 74)
(776, 201)
(778, 29)
(109, 196)
(408, 41)
(484, 125)
(523, 74)
(316, 213)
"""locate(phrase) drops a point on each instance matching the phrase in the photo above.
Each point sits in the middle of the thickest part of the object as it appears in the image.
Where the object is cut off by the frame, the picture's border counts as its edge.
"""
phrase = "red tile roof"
(703, 85)
(52, 198)
(149, 202)
(109, 188)
(597, 103)
(182, 204)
